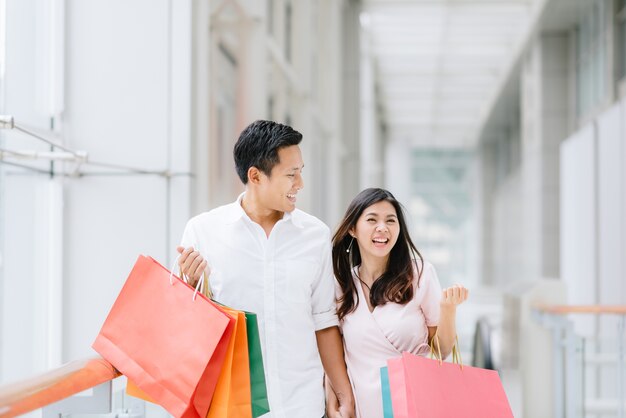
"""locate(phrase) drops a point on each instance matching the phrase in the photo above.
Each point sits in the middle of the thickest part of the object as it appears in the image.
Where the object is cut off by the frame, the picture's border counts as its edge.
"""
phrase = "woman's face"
(377, 230)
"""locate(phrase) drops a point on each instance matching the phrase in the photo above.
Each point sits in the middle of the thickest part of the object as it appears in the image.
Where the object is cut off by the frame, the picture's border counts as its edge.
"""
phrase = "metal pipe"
(620, 366)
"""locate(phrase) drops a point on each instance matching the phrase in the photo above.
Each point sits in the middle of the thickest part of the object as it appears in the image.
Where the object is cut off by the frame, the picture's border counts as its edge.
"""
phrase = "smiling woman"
(388, 298)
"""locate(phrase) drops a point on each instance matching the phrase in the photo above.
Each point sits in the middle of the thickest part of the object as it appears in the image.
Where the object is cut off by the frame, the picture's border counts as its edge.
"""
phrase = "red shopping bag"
(422, 387)
(166, 339)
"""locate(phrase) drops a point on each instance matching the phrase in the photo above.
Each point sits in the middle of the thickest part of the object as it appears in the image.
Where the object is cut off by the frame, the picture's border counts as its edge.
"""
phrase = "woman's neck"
(372, 268)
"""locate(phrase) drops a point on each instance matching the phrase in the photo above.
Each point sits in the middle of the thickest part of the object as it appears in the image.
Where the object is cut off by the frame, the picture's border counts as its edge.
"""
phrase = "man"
(261, 254)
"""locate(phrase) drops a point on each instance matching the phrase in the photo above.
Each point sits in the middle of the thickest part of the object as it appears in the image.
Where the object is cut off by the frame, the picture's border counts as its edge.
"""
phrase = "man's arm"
(330, 348)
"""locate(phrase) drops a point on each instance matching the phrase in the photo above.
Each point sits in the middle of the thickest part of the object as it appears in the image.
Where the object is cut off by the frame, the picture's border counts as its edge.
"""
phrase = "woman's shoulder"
(422, 265)
(423, 271)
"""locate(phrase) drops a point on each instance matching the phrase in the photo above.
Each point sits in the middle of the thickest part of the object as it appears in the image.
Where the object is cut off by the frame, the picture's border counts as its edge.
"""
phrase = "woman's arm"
(446, 330)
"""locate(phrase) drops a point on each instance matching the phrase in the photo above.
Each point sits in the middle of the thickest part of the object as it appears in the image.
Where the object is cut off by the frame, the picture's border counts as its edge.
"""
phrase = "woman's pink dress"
(370, 338)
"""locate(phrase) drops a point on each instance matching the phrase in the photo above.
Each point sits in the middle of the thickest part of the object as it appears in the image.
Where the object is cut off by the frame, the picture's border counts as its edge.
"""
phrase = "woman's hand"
(453, 296)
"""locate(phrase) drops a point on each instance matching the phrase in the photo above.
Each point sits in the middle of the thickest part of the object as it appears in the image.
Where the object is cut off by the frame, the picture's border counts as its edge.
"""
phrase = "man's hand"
(192, 265)
(346, 407)
(332, 404)
(334, 407)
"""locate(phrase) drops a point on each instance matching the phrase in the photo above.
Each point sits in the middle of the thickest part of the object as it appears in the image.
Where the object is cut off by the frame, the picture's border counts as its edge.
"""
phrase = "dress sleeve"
(429, 285)
(323, 295)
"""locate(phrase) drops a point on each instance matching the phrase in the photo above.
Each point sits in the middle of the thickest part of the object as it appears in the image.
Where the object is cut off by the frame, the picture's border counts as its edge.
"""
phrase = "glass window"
(441, 210)
(24, 192)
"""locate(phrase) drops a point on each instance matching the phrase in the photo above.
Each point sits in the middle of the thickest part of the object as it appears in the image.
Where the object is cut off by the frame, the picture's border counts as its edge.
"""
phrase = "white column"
(252, 89)
(371, 158)
(398, 169)
(350, 98)
(544, 125)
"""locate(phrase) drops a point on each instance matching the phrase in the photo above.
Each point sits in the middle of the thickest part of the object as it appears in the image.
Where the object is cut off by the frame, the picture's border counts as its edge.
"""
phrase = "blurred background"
(500, 124)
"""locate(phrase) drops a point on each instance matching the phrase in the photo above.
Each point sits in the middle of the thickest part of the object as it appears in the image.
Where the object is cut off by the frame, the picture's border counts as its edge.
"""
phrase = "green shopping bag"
(384, 383)
(260, 404)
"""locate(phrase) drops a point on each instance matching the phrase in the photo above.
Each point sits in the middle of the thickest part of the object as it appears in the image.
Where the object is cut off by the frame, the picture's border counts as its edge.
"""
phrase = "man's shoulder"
(219, 214)
(309, 221)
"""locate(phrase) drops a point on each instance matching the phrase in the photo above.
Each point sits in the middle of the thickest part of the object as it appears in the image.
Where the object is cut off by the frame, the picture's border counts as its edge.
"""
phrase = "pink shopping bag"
(425, 388)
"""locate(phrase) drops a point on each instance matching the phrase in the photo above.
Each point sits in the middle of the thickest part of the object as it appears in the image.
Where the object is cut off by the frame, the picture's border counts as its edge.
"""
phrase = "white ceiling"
(438, 63)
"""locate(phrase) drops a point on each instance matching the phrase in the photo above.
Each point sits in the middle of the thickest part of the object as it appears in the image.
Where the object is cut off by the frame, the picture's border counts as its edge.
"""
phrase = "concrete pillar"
(544, 112)
(371, 153)
(350, 102)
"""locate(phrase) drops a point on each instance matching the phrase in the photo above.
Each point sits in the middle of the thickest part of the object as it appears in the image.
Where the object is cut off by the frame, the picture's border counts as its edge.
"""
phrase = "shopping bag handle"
(199, 286)
(456, 353)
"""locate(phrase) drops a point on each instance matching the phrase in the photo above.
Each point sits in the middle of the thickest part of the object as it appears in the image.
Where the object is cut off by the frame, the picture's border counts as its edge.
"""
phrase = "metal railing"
(50, 390)
(570, 359)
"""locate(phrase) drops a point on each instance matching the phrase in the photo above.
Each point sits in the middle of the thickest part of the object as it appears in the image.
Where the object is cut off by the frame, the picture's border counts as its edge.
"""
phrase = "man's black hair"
(258, 146)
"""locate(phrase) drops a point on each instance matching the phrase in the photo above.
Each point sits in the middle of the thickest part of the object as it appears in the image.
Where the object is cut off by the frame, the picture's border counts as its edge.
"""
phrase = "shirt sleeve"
(323, 295)
(429, 285)
(189, 235)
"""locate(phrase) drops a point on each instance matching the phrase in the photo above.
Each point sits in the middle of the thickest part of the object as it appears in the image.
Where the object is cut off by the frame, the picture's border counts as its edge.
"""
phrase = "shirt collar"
(236, 212)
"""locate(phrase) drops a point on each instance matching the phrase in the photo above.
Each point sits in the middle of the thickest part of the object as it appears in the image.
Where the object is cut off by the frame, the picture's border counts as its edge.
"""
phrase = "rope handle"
(200, 286)
(456, 353)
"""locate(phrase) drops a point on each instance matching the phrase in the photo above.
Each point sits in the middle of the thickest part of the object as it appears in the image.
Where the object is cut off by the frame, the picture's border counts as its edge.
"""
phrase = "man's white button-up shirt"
(287, 280)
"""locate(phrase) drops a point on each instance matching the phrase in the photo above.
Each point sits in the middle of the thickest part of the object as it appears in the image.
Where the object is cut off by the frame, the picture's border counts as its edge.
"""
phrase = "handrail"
(565, 350)
(39, 391)
(582, 309)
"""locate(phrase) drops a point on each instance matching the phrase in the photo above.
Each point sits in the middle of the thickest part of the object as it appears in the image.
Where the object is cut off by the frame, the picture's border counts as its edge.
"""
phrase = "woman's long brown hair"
(395, 285)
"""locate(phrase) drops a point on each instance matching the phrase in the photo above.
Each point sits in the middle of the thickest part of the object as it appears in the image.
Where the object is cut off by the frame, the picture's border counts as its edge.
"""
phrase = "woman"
(388, 299)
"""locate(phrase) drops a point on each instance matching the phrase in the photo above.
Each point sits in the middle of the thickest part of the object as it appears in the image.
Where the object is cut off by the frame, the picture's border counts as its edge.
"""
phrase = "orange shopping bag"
(232, 395)
(166, 339)
(232, 398)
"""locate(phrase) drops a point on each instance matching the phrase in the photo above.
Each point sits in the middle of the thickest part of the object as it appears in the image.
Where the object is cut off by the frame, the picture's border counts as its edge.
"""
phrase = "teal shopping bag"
(384, 383)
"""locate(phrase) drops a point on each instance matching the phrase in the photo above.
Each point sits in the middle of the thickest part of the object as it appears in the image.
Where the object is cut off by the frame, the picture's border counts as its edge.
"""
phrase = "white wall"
(611, 239)
(124, 106)
(578, 220)
(127, 100)
(593, 233)
(592, 211)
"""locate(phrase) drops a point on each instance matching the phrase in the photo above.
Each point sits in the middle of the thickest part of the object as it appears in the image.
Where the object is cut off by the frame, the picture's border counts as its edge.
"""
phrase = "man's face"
(278, 191)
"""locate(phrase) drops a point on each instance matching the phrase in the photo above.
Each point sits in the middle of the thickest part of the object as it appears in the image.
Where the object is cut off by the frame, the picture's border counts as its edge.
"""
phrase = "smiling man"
(261, 254)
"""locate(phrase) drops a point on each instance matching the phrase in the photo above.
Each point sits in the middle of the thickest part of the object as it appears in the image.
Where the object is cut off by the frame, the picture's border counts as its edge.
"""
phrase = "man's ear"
(254, 175)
